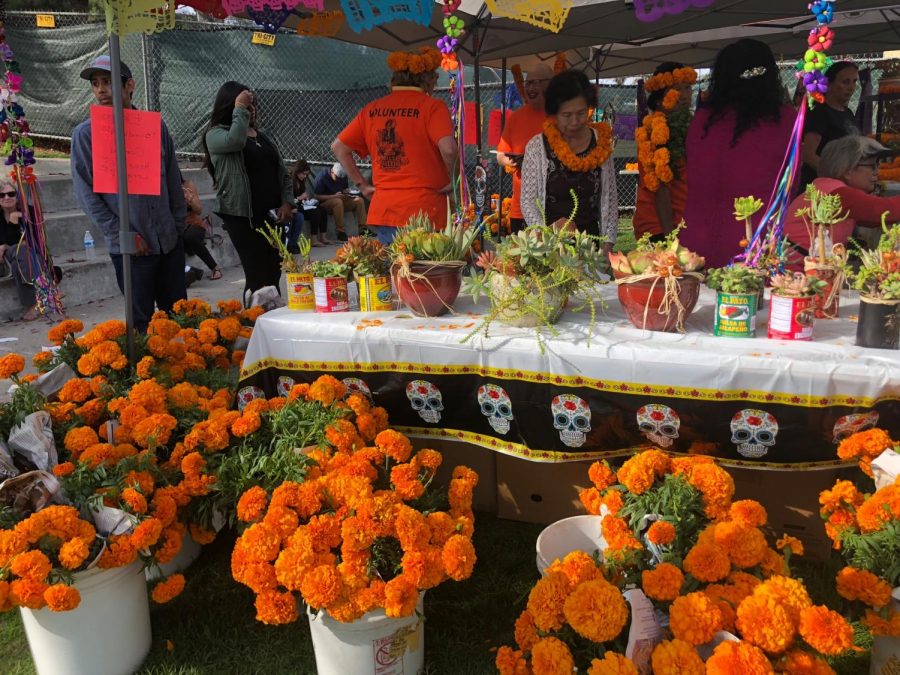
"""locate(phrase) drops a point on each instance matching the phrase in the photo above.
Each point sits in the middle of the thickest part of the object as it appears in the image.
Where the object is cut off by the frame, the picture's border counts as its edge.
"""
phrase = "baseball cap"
(102, 64)
(338, 170)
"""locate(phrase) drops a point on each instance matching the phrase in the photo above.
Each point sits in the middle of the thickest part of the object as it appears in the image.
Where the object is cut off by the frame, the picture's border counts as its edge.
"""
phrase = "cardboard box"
(537, 492)
(791, 499)
(481, 460)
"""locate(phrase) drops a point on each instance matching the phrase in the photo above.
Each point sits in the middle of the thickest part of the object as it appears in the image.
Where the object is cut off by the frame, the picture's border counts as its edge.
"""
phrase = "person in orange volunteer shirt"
(521, 126)
(409, 136)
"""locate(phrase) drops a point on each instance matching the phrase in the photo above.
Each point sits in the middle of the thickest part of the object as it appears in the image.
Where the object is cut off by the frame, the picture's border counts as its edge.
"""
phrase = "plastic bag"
(33, 439)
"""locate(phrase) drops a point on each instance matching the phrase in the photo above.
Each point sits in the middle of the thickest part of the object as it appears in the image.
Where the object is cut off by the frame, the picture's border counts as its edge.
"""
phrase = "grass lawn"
(212, 628)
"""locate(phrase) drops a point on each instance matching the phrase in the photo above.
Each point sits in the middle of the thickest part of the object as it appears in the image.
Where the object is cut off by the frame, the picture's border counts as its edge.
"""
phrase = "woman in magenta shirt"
(848, 168)
(735, 147)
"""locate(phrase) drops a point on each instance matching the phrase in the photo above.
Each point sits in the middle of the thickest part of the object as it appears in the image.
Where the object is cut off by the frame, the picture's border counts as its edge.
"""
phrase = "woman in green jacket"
(250, 180)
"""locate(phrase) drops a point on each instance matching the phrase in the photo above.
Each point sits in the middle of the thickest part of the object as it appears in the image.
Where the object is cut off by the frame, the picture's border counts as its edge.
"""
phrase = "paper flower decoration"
(823, 10)
(820, 39)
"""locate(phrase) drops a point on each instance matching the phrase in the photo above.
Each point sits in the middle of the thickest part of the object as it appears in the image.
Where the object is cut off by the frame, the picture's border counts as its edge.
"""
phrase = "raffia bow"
(670, 296)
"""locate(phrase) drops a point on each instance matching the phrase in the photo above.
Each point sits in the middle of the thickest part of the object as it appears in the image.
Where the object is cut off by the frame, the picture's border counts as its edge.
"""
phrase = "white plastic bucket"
(187, 554)
(372, 645)
(578, 533)
(886, 649)
(107, 634)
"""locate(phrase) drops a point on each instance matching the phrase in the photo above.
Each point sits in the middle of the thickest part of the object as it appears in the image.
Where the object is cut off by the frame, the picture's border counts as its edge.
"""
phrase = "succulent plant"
(879, 274)
(289, 263)
(419, 239)
(735, 279)
(328, 268)
(365, 256)
(797, 285)
(662, 258)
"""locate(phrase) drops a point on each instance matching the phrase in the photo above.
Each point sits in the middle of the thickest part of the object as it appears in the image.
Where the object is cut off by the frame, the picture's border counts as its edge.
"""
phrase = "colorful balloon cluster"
(454, 30)
(811, 69)
(17, 146)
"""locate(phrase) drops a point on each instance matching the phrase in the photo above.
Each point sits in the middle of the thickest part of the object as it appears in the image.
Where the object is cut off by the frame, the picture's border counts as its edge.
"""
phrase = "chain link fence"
(308, 88)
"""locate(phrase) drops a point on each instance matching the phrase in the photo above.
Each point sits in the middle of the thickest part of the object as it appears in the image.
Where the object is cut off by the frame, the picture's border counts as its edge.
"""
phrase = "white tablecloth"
(696, 379)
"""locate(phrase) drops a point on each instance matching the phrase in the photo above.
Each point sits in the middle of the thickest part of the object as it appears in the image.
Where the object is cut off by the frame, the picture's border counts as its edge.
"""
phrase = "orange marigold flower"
(661, 533)
(878, 509)
(716, 485)
(150, 395)
(618, 534)
(766, 623)
(251, 505)
(75, 391)
(510, 661)
(596, 610)
(146, 534)
(58, 333)
(11, 364)
(62, 598)
(275, 608)
(321, 586)
(676, 657)
(546, 600)
(791, 593)
(707, 562)
(63, 470)
(458, 557)
(326, 390)
(869, 443)
(694, 618)
(798, 662)
(731, 658)
(27, 593)
(792, 543)
(246, 424)
(74, 552)
(590, 499)
(748, 512)
(33, 565)
(525, 631)
(878, 625)
(639, 473)
(400, 597)
(551, 656)
(578, 567)
(601, 475)
(168, 589)
(663, 582)
(613, 501)
(612, 663)
(394, 444)
(135, 501)
(857, 584)
(154, 431)
(825, 630)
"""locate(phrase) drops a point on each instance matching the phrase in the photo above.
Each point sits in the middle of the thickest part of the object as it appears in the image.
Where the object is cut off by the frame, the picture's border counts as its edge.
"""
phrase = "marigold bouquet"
(866, 529)
(366, 529)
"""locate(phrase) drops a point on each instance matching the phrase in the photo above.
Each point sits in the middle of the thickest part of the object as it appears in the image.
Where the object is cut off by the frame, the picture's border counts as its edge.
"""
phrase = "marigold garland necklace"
(567, 156)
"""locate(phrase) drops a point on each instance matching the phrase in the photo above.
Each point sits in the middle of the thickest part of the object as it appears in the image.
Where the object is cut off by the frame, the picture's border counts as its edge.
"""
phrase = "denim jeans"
(155, 280)
(384, 233)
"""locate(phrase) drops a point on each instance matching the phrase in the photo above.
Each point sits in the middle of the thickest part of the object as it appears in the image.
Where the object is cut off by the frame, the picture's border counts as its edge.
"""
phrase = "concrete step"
(58, 195)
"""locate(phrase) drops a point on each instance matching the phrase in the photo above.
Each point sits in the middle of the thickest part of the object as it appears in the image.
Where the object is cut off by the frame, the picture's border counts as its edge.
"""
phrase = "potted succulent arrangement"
(297, 277)
(330, 286)
(531, 276)
(791, 313)
(369, 262)
(825, 261)
(428, 263)
(658, 283)
(878, 283)
(744, 209)
(738, 288)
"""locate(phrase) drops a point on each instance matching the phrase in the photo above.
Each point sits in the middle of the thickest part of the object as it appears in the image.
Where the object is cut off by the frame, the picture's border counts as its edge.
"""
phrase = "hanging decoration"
(321, 24)
(367, 14)
(519, 80)
(454, 31)
(547, 14)
(212, 7)
(653, 10)
(124, 17)
(18, 150)
(765, 249)
(268, 18)
(233, 7)
(561, 64)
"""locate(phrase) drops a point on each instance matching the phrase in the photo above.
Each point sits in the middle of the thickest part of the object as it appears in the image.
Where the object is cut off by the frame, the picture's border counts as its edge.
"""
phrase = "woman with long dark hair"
(735, 147)
(250, 180)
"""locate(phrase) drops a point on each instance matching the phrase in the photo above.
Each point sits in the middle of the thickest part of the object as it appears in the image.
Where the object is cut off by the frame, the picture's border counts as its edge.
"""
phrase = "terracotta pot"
(431, 287)
(641, 297)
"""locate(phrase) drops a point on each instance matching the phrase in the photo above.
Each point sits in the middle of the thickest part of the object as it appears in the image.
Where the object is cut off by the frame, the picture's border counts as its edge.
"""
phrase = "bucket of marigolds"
(330, 286)
(300, 291)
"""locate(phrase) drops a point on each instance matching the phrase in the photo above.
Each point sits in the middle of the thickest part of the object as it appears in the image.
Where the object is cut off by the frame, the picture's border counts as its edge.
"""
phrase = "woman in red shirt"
(848, 168)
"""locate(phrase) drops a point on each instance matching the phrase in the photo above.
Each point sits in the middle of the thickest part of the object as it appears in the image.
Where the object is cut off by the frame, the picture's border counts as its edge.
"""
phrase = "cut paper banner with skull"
(572, 418)
(853, 423)
(357, 386)
(496, 406)
(753, 432)
(426, 400)
(658, 423)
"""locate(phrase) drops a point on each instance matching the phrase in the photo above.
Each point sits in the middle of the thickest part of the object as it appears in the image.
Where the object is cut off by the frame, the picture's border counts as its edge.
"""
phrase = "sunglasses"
(8, 194)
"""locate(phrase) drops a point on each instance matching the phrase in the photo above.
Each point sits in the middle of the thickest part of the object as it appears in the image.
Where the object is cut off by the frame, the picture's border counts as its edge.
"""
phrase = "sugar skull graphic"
(572, 418)
(851, 424)
(357, 386)
(753, 432)
(496, 406)
(658, 423)
(248, 394)
(426, 400)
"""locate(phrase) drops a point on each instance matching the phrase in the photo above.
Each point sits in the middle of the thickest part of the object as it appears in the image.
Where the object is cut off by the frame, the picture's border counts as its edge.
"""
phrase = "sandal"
(215, 274)
(317, 244)
(32, 314)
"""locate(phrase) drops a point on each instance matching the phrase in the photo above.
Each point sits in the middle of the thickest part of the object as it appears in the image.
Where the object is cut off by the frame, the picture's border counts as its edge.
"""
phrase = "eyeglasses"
(527, 82)
(8, 194)
(873, 166)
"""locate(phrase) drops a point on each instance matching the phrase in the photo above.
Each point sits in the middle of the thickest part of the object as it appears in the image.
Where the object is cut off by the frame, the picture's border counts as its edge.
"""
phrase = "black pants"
(262, 266)
(317, 219)
(516, 224)
(16, 257)
(195, 244)
(155, 280)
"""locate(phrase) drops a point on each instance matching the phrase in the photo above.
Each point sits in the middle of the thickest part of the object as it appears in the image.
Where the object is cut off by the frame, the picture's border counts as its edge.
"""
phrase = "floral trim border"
(553, 457)
(638, 389)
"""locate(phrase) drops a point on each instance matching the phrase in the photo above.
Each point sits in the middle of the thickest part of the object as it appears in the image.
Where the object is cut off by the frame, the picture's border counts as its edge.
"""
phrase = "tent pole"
(126, 240)
(477, 108)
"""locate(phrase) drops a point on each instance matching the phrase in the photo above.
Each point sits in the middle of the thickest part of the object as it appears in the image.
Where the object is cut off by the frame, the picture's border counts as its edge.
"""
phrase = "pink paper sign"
(653, 10)
(142, 150)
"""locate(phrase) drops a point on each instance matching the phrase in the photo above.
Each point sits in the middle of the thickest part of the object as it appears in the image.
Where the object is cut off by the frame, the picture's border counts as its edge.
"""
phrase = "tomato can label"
(331, 294)
(790, 318)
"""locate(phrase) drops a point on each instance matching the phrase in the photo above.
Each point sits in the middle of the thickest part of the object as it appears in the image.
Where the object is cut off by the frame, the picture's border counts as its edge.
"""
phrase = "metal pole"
(502, 170)
(126, 239)
(477, 108)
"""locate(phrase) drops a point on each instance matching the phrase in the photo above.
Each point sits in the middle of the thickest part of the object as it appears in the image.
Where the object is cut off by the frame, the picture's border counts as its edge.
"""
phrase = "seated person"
(332, 188)
(14, 250)
(316, 215)
(848, 168)
(195, 228)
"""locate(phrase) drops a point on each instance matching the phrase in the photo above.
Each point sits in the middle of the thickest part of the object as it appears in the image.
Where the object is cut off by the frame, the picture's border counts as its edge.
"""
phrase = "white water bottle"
(88, 245)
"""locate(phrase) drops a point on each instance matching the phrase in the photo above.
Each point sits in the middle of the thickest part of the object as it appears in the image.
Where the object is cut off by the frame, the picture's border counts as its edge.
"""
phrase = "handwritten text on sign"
(142, 150)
